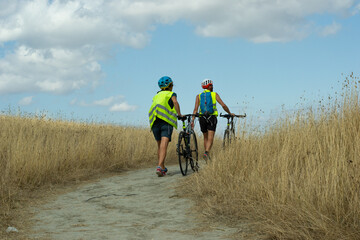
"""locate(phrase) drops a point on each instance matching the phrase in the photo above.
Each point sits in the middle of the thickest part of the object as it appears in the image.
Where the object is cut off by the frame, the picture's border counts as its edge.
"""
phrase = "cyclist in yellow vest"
(208, 117)
(163, 115)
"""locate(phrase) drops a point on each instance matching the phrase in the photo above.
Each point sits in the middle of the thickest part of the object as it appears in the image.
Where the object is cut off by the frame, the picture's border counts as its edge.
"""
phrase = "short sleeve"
(171, 103)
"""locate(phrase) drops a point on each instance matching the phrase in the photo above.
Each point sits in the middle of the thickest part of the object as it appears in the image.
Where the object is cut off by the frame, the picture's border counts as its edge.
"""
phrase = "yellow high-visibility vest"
(213, 97)
(161, 109)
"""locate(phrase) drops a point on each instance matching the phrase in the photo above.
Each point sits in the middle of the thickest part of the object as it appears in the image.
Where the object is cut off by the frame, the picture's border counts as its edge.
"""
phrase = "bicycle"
(187, 148)
(229, 134)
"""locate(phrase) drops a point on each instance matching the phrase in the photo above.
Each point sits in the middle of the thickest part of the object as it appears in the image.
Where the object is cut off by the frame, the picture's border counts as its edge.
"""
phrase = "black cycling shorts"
(161, 129)
(208, 123)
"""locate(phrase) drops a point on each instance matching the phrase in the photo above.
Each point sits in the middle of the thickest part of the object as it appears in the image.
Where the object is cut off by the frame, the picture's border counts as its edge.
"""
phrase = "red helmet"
(206, 83)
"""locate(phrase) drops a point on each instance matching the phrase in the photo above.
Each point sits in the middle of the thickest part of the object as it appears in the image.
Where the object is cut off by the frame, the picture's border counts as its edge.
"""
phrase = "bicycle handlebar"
(230, 116)
(184, 117)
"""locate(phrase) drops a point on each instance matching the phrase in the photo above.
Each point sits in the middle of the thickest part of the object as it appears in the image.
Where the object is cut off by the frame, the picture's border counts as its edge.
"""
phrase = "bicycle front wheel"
(194, 152)
(232, 136)
(182, 153)
(226, 140)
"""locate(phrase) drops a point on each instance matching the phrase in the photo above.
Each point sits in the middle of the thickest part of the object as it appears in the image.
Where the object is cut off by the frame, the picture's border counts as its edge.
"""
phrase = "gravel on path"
(133, 205)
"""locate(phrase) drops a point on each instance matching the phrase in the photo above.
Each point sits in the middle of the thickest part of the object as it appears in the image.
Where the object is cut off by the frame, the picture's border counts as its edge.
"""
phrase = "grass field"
(300, 179)
(297, 179)
(38, 153)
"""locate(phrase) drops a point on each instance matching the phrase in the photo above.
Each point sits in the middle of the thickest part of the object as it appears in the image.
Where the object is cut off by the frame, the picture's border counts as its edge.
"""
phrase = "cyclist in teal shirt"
(163, 115)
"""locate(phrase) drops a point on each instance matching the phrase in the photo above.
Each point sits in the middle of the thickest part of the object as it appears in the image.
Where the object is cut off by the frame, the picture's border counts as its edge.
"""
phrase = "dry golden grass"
(35, 152)
(300, 179)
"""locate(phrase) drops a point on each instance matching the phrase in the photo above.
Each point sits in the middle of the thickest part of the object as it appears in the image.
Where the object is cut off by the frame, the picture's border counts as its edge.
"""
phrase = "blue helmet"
(164, 82)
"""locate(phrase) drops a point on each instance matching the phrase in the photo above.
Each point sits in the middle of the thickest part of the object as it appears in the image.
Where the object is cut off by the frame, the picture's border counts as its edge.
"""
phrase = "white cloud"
(26, 101)
(117, 103)
(76, 23)
(108, 101)
(51, 70)
(123, 107)
(330, 29)
(71, 24)
(7, 7)
(59, 43)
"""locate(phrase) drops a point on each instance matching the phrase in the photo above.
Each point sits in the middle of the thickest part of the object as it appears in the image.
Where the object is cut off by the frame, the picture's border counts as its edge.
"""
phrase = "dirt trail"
(135, 205)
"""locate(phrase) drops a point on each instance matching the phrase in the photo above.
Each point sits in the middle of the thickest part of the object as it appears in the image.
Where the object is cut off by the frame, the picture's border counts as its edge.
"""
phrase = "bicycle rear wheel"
(194, 153)
(182, 154)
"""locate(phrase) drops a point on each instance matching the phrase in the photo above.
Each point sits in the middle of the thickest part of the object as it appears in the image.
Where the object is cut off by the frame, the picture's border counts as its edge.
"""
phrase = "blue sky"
(101, 60)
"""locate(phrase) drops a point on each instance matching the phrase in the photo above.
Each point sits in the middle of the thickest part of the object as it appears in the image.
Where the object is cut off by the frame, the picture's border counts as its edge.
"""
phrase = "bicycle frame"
(229, 133)
(230, 124)
(187, 127)
(188, 131)
(184, 151)
(230, 120)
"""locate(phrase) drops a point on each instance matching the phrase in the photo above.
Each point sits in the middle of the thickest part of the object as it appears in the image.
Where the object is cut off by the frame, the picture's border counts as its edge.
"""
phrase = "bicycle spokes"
(187, 146)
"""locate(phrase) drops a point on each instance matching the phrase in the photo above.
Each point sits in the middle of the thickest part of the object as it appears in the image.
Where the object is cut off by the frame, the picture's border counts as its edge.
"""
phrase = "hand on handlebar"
(181, 117)
(192, 124)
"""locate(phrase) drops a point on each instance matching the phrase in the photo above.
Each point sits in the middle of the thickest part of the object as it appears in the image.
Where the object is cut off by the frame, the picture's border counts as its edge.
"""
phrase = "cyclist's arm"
(176, 105)
(197, 103)
(219, 100)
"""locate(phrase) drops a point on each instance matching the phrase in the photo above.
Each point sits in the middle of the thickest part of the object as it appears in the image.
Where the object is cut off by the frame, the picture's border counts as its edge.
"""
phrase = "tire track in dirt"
(134, 205)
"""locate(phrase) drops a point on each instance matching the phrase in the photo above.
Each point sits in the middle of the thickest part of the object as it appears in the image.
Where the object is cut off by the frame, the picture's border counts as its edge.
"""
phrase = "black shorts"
(208, 123)
(161, 129)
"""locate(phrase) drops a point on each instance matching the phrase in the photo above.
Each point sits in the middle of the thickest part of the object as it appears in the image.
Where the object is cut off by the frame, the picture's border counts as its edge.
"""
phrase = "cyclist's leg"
(205, 139)
(204, 130)
(163, 138)
(209, 140)
(212, 122)
(162, 149)
(156, 129)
